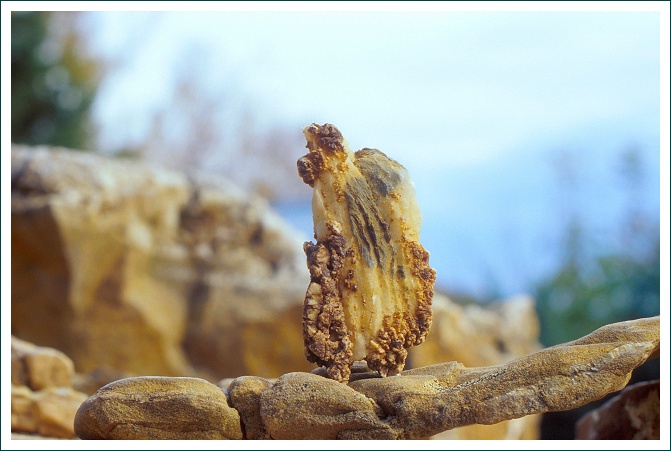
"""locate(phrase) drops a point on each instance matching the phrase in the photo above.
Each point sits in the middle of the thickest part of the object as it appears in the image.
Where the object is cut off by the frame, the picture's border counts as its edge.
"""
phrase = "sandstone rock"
(632, 414)
(482, 336)
(416, 404)
(49, 412)
(134, 270)
(479, 336)
(245, 394)
(23, 411)
(308, 406)
(43, 401)
(39, 367)
(371, 285)
(428, 400)
(162, 408)
(124, 266)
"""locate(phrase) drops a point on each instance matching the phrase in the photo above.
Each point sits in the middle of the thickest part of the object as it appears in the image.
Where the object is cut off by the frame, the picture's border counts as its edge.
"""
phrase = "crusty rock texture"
(631, 415)
(159, 408)
(371, 285)
(416, 404)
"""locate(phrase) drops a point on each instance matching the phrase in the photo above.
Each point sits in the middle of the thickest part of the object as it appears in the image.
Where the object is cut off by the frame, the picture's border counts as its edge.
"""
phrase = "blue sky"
(476, 104)
(451, 95)
(431, 88)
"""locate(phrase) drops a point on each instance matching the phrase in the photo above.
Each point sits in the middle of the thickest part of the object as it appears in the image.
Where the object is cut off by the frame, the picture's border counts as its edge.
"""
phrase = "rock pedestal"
(416, 404)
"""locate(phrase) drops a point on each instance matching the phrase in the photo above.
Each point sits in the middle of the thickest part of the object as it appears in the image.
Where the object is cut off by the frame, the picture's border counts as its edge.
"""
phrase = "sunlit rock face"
(371, 285)
(133, 269)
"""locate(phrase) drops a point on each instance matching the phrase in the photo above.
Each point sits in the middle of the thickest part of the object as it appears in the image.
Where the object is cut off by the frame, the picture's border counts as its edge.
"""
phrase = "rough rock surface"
(43, 402)
(371, 285)
(479, 336)
(631, 415)
(245, 395)
(127, 267)
(416, 404)
(319, 408)
(158, 408)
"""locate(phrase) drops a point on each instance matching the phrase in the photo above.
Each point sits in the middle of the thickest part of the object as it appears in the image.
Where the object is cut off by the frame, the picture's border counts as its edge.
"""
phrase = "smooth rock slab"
(160, 408)
(419, 403)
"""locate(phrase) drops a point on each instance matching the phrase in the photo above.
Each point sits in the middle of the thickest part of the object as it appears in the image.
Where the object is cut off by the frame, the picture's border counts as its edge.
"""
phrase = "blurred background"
(532, 137)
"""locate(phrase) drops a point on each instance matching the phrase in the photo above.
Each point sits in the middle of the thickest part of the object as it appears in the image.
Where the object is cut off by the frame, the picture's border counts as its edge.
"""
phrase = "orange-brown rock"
(39, 367)
(631, 415)
(371, 285)
(49, 412)
(245, 395)
(428, 400)
(42, 399)
(308, 406)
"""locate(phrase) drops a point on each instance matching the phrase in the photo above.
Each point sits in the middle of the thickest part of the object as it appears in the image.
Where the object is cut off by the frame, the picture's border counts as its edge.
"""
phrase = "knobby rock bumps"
(371, 285)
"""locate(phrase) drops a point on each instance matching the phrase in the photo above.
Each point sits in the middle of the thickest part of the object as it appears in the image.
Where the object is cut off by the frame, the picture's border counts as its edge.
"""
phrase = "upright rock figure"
(371, 285)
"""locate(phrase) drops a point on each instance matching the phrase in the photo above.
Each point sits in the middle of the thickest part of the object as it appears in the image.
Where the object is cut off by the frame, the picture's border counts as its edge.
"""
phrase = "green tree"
(577, 301)
(53, 80)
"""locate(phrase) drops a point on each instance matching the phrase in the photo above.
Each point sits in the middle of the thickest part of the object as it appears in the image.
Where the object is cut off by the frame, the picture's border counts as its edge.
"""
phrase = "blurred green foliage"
(578, 300)
(589, 291)
(53, 81)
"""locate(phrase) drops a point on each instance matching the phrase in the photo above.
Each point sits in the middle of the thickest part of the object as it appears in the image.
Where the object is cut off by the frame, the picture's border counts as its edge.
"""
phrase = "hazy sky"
(439, 91)
(470, 102)
(434, 88)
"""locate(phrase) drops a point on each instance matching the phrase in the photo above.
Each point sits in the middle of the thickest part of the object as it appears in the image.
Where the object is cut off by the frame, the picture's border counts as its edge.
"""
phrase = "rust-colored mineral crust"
(371, 285)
